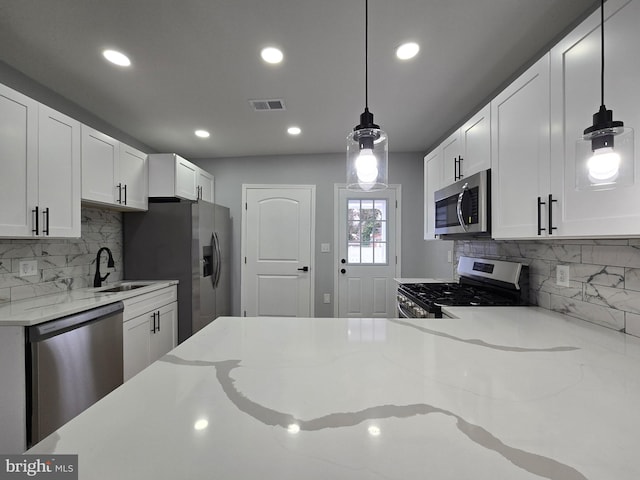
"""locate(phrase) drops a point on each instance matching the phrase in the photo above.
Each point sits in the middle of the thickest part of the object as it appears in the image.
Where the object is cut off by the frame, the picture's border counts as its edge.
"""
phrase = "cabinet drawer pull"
(125, 193)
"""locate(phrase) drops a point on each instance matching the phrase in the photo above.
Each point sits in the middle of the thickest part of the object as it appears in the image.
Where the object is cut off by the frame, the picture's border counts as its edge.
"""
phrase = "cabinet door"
(475, 136)
(58, 173)
(186, 179)
(432, 182)
(450, 152)
(521, 153)
(164, 338)
(133, 178)
(205, 184)
(135, 346)
(100, 166)
(18, 162)
(575, 97)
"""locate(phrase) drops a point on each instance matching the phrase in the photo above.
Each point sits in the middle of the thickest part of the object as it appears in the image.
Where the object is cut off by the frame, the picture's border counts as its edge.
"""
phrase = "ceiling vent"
(266, 105)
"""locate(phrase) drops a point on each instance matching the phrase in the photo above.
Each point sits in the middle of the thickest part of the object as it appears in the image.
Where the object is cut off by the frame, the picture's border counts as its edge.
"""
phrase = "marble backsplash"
(604, 276)
(63, 264)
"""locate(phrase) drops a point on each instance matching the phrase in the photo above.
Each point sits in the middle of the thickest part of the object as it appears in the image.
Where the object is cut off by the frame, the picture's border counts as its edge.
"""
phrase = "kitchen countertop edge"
(36, 310)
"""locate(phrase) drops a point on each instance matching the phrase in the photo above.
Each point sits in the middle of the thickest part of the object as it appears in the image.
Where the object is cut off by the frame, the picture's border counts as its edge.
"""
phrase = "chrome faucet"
(97, 279)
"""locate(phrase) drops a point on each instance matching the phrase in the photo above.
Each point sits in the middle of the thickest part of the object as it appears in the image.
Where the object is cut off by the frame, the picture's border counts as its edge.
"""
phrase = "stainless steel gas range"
(482, 282)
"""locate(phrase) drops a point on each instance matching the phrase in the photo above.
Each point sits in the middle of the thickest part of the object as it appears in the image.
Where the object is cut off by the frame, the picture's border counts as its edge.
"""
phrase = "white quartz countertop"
(498, 393)
(49, 307)
(425, 280)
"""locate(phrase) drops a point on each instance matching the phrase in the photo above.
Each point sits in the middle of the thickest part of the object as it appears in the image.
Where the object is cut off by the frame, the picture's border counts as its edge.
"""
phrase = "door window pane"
(367, 236)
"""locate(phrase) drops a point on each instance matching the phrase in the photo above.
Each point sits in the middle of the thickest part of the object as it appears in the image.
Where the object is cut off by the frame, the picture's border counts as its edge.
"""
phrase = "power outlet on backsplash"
(562, 275)
(28, 268)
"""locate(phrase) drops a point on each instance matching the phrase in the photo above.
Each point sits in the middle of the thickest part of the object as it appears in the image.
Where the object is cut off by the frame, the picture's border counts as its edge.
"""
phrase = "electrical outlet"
(327, 298)
(562, 275)
(449, 256)
(325, 247)
(28, 268)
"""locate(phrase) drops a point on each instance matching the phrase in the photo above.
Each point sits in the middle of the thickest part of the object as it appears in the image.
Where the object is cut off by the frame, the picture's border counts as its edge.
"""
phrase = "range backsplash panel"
(604, 276)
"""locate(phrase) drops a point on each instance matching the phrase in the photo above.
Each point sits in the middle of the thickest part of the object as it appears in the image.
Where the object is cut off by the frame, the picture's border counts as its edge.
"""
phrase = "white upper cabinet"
(468, 149)
(205, 185)
(59, 177)
(520, 162)
(575, 97)
(40, 180)
(19, 158)
(113, 173)
(170, 175)
(432, 182)
(134, 177)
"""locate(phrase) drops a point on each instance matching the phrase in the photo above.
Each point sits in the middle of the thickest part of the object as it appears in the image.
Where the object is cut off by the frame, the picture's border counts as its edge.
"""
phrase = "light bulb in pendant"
(604, 165)
(366, 166)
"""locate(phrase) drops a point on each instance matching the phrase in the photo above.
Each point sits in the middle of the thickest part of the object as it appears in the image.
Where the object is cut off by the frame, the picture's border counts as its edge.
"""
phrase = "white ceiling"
(196, 65)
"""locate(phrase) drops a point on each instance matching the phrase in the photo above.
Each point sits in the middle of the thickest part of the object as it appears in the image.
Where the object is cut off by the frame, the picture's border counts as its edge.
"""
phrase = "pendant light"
(604, 154)
(367, 147)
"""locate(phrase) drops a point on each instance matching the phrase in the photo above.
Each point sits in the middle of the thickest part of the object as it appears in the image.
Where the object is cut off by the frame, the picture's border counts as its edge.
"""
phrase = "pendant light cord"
(602, 52)
(366, 54)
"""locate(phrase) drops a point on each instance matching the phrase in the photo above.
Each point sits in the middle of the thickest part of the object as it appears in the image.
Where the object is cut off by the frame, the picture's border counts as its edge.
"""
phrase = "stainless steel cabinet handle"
(125, 193)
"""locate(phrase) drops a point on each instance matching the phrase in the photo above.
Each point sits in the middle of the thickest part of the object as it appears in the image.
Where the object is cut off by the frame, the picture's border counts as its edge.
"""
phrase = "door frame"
(243, 240)
(337, 187)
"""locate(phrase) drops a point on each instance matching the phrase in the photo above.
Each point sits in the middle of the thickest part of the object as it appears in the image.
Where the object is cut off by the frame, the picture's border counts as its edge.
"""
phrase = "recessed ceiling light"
(294, 130)
(202, 134)
(407, 50)
(117, 58)
(272, 55)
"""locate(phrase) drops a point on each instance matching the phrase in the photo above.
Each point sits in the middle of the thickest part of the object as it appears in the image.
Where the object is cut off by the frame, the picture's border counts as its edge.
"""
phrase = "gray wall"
(324, 171)
(12, 78)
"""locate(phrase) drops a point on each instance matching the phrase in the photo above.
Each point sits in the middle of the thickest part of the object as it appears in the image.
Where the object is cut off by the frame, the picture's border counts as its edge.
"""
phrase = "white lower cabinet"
(149, 329)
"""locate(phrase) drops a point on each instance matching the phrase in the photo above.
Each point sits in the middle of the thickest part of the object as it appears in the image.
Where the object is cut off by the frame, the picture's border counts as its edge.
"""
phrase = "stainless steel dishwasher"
(72, 362)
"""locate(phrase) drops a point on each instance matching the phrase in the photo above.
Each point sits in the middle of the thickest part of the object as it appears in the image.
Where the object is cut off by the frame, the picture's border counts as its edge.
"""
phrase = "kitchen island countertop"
(499, 392)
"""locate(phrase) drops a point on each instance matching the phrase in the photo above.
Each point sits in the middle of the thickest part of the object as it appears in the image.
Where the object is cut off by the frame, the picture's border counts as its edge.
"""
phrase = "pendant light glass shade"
(605, 155)
(367, 160)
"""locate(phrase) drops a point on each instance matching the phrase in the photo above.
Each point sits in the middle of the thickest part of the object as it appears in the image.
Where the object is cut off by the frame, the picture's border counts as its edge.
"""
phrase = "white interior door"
(277, 245)
(368, 233)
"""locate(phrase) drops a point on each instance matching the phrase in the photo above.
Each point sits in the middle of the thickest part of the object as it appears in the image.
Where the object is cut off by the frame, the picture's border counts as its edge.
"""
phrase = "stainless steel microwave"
(464, 207)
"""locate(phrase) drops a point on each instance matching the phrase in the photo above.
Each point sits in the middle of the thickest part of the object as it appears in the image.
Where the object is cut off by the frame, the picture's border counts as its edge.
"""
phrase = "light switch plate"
(327, 298)
(325, 247)
(28, 268)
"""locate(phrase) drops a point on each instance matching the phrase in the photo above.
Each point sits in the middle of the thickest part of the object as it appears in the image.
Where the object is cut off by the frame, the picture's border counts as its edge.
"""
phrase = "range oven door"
(463, 208)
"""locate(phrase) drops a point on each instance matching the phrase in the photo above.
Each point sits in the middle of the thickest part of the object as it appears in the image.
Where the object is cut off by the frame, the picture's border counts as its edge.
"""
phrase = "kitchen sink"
(123, 287)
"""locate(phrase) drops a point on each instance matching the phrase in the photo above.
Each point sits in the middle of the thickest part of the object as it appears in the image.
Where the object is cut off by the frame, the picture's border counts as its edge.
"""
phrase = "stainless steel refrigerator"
(189, 242)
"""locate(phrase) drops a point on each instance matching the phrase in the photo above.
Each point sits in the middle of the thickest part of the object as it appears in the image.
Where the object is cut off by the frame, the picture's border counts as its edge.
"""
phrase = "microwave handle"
(460, 216)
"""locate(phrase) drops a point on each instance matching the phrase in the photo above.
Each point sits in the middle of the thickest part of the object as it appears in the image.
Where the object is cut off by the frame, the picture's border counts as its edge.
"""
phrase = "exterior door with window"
(367, 257)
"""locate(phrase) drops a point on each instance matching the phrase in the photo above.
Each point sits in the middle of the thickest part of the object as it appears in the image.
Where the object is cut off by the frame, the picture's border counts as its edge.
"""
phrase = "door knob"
(343, 271)
(303, 269)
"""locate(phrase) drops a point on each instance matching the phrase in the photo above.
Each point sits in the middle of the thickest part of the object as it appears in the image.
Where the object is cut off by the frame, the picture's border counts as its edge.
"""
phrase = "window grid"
(367, 232)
